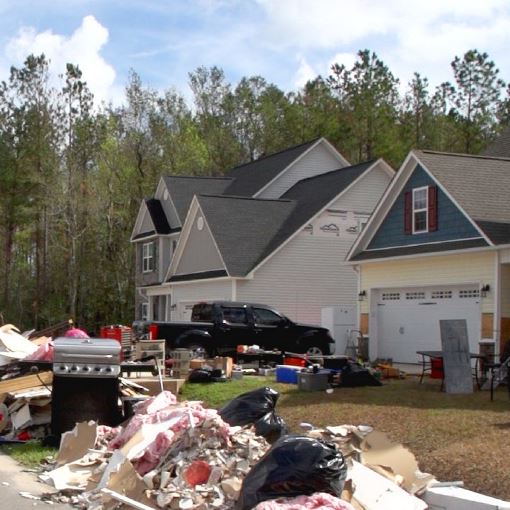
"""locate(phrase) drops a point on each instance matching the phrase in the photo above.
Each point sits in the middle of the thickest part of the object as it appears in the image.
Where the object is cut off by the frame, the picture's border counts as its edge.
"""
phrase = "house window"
(415, 295)
(390, 296)
(420, 210)
(145, 311)
(148, 257)
(442, 294)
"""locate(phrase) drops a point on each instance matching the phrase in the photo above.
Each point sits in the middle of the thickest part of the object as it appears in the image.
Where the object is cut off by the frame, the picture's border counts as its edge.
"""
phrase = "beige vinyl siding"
(364, 195)
(193, 292)
(318, 161)
(304, 276)
(505, 290)
(146, 225)
(200, 252)
(474, 268)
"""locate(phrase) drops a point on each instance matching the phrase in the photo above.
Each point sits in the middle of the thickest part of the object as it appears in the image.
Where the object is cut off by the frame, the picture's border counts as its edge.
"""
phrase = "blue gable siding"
(452, 224)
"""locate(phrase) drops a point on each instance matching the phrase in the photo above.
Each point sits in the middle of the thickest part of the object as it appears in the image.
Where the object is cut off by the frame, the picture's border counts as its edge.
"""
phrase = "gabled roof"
(243, 227)
(311, 196)
(251, 177)
(500, 148)
(158, 216)
(183, 188)
(479, 184)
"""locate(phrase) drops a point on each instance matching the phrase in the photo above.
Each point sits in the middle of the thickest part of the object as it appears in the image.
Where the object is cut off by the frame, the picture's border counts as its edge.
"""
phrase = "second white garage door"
(408, 319)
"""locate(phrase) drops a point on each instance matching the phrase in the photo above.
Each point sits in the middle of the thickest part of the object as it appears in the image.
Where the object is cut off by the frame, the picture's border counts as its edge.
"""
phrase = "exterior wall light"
(485, 288)
(362, 295)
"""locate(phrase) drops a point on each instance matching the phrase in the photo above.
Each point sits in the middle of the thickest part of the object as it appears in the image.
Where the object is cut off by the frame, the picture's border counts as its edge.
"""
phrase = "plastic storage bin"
(308, 381)
(287, 374)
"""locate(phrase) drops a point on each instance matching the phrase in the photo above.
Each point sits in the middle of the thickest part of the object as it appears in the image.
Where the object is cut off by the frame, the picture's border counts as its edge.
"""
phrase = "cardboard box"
(223, 363)
(154, 387)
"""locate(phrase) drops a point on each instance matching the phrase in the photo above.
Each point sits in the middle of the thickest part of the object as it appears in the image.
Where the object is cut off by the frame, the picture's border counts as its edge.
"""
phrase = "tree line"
(73, 173)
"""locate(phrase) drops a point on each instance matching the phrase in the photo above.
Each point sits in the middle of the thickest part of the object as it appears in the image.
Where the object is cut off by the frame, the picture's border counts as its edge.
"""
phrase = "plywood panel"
(363, 323)
(487, 325)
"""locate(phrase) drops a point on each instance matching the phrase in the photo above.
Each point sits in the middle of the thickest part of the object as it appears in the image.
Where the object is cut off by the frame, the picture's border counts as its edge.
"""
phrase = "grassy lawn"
(454, 437)
(30, 454)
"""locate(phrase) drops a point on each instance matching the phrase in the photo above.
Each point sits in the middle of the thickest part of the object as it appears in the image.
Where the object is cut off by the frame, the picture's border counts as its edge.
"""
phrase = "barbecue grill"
(86, 357)
(85, 383)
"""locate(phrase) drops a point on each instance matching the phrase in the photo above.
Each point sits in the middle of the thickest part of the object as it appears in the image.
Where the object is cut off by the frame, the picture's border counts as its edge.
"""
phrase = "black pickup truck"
(218, 327)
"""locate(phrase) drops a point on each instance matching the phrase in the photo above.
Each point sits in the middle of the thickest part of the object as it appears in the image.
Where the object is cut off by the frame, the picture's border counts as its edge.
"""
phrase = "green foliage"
(72, 173)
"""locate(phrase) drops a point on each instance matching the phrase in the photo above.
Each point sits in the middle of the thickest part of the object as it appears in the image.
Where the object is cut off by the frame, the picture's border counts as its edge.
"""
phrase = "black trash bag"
(271, 427)
(249, 407)
(355, 375)
(294, 466)
(200, 375)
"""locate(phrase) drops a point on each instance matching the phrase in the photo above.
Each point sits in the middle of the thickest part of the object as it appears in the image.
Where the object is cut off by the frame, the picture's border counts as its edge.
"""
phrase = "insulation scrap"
(315, 501)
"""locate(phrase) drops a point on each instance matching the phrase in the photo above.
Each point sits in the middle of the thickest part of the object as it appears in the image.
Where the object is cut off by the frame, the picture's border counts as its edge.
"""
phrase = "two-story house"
(273, 231)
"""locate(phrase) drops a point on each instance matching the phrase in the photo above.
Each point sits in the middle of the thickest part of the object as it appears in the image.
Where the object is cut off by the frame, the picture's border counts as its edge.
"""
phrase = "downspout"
(234, 289)
(497, 305)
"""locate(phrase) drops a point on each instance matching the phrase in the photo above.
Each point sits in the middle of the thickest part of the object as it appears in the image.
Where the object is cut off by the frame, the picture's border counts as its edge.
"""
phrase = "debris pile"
(183, 456)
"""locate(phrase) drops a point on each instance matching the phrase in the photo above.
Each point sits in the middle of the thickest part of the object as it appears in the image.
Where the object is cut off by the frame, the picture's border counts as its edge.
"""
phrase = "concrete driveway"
(14, 480)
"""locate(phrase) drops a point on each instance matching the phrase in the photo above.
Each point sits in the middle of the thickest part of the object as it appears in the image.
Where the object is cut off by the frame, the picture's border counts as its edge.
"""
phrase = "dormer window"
(148, 257)
(420, 214)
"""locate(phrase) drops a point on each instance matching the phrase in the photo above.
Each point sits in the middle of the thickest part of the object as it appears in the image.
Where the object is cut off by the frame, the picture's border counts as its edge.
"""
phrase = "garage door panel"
(408, 319)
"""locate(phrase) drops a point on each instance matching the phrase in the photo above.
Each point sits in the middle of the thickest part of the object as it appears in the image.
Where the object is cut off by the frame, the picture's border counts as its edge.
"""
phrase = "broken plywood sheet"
(26, 382)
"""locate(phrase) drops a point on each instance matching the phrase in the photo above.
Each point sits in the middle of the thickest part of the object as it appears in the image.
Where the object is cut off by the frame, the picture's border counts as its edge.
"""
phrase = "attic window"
(420, 210)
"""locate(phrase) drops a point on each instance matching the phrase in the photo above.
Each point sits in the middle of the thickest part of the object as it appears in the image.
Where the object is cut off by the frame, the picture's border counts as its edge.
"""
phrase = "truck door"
(234, 329)
(269, 329)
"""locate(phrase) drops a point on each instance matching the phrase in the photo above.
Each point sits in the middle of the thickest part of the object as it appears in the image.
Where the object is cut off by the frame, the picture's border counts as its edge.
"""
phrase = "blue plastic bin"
(287, 374)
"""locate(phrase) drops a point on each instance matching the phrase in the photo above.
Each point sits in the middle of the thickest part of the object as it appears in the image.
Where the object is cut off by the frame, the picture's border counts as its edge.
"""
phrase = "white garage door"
(408, 319)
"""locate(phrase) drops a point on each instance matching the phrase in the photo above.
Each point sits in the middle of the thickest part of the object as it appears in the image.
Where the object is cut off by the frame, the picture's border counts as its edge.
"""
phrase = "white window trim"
(148, 257)
(423, 209)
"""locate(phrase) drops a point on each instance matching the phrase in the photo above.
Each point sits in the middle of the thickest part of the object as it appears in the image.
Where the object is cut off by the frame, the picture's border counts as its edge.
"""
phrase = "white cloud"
(407, 35)
(304, 73)
(82, 48)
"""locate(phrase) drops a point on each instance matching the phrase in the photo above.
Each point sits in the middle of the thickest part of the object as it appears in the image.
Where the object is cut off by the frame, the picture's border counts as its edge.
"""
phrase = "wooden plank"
(26, 382)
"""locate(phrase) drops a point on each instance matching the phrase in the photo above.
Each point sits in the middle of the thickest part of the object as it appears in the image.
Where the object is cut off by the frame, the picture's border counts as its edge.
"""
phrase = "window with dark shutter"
(408, 212)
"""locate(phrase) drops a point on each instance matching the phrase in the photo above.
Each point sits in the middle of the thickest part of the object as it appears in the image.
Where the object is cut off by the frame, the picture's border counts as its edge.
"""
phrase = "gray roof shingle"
(500, 148)
(251, 177)
(242, 227)
(183, 188)
(479, 184)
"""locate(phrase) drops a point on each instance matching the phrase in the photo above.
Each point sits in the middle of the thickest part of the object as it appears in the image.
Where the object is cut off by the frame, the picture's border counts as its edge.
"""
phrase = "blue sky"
(285, 41)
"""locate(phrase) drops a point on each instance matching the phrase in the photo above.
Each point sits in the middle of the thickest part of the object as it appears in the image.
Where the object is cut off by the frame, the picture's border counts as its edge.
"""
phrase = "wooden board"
(26, 382)
(458, 375)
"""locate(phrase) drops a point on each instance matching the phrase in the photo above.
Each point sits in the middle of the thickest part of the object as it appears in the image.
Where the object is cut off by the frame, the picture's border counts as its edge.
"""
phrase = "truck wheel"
(198, 350)
(314, 350)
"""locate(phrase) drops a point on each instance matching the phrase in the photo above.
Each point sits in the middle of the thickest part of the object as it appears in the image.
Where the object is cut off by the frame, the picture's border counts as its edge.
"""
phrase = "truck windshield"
(203, 312)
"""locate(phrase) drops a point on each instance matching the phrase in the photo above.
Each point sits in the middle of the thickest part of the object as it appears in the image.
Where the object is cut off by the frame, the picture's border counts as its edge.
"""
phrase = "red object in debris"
(120, 333)
(24, 436)
(197, 473)
(295, 362)
(436, 368)
(153, 331)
